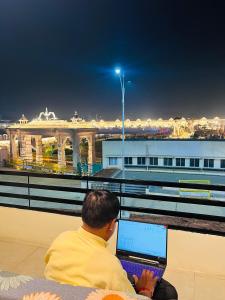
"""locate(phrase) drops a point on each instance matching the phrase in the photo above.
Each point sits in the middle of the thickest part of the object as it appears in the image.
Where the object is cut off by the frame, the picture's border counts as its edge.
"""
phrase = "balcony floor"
(27, 258)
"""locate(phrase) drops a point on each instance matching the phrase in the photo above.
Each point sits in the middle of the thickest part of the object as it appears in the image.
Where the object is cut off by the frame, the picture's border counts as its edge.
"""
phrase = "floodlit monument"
(47, 125)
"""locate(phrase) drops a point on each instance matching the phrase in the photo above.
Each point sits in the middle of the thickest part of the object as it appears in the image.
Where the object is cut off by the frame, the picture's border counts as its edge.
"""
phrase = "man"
(81, 257)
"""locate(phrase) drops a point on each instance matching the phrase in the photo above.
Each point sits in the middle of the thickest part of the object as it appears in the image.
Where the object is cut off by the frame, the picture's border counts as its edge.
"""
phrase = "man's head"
(99, 212)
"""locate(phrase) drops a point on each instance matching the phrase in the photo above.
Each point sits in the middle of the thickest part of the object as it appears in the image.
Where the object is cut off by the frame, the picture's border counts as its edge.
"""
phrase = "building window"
(153, 161)
(180, 162)
(168, 161)
(128, 160)
(194, 162)
(141, 160)
(222, 163)
(208, 163)
(112, 161)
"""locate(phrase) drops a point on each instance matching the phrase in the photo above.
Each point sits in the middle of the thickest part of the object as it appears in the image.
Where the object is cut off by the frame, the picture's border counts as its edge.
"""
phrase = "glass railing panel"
(13, 178)
(57, 194)
(136, 203)
(14, 201)
(56, 206)
(11, 189)
(113, 187)
(201, 209)
(55, 182)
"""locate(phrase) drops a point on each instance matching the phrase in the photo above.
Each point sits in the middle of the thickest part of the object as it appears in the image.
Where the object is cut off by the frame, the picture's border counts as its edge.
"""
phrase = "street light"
(121, 75)
(117, 71)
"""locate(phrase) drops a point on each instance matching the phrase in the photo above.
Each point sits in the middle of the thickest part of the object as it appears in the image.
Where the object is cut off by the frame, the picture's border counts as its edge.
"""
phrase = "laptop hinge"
(144, 259)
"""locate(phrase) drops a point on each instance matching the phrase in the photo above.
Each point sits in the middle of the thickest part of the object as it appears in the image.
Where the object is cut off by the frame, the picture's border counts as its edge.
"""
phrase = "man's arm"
(144, 285)
(119, 279)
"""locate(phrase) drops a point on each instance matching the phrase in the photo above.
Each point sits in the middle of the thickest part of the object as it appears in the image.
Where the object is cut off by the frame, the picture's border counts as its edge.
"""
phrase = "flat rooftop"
(172, 175)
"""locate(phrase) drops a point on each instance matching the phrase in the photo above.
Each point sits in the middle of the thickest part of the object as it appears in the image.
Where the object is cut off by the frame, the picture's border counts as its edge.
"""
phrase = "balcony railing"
(157, 201)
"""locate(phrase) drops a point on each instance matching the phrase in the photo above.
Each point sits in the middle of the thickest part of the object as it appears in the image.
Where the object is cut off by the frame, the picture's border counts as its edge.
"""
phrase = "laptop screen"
(143, 238)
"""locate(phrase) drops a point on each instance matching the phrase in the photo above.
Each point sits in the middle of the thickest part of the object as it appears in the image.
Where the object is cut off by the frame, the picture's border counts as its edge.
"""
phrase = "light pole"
(121, 76)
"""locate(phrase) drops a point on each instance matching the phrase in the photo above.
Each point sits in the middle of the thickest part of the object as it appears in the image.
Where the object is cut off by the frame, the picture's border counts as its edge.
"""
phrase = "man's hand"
(145, 285)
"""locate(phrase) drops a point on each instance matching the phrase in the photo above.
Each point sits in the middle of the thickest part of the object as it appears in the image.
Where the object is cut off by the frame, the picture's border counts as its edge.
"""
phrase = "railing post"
(87, 184)
(120, 199)
(28, 182)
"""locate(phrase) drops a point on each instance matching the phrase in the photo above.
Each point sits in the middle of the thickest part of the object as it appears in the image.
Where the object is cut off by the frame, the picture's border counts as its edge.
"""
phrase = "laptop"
(142, 246)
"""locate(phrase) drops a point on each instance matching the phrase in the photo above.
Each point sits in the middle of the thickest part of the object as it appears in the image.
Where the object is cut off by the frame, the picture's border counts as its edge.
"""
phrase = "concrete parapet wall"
(186, 251)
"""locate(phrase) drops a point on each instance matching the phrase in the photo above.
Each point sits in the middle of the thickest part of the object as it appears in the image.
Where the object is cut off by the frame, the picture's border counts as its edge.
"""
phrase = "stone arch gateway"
(20, 136)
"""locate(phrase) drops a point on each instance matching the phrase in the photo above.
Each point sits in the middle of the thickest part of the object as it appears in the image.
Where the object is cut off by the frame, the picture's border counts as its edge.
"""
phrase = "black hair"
(99, 208)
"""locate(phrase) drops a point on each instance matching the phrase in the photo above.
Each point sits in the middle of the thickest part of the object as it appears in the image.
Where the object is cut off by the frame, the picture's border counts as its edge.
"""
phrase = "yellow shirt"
(81, 258)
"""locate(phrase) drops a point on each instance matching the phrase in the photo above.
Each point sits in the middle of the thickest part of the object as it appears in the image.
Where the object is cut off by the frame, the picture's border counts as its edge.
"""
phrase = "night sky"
(61, 54)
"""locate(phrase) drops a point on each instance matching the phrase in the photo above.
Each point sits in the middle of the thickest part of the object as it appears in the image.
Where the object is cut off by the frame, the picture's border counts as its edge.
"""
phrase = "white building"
(146, 154)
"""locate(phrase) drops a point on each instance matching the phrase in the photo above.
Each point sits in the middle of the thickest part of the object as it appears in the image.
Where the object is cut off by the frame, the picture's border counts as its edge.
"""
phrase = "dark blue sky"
(61, 54)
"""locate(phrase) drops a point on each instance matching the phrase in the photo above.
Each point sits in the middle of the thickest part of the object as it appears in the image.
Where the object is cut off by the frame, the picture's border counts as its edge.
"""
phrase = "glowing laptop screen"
(143, 238)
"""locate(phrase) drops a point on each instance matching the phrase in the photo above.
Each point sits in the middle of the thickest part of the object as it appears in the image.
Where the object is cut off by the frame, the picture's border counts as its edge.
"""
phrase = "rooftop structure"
(47, 115)
(23, 120)
(166, 153)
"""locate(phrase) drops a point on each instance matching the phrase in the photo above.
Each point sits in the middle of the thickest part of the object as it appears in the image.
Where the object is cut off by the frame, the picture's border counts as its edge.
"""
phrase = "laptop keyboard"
(134, 268)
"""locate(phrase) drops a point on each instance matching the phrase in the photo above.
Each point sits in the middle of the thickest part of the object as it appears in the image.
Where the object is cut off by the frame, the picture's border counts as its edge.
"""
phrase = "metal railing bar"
(14, 205)
(12, 183)
(176, 199)
(162, 184)
(44, 175)
(201, 186)
(43, 209)
(133, 209)
(41, 198)
(43, 187)
(57, 188)
(56, 200)
(13, 195)
(149, 197)
(173, 213)
(124, 208)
